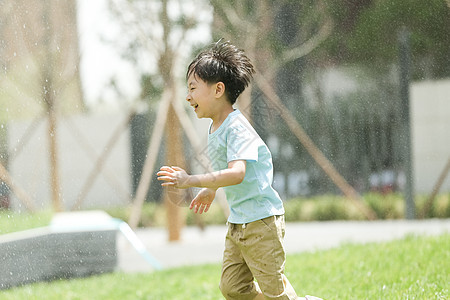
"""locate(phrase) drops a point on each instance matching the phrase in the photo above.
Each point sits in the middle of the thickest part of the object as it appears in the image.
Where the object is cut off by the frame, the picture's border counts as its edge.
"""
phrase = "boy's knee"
(227, 289)
(233, 291)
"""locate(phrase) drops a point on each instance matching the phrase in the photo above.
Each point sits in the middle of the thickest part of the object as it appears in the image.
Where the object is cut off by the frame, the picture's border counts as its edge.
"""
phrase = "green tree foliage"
(366, 32)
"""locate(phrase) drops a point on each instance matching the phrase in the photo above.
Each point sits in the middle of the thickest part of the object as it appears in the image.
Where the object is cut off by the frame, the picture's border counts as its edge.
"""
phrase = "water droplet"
(15, 54)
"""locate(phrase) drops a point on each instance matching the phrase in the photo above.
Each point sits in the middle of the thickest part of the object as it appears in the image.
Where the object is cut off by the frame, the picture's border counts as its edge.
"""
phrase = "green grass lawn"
(14, 221)
(412, 268)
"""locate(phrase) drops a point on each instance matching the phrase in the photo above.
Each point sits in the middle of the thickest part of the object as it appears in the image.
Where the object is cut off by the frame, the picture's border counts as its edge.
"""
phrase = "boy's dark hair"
(223, 62)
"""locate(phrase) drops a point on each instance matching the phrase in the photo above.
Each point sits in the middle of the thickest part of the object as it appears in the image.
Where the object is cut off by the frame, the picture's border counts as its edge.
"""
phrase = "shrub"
(215, 215)
(440, 207)
(386, 206)
(318, 208)
(153, 214)
(293, 210)
(326, 211)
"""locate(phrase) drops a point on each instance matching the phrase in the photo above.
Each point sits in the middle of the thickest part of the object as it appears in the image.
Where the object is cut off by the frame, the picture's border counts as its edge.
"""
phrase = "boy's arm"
(177, 177)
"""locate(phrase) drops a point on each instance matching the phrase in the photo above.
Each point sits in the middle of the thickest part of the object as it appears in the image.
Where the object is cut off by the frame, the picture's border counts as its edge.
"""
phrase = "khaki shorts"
(255, 251)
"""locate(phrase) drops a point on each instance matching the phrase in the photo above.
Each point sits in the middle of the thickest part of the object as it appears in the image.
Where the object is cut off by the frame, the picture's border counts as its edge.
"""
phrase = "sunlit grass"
(14, 221)
(412, 268)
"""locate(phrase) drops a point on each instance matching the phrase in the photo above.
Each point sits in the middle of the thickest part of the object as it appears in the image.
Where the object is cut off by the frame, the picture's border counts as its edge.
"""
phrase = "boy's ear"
(220, 89)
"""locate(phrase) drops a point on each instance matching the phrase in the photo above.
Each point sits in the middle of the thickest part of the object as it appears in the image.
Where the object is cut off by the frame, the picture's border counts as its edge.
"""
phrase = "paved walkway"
(201, 247)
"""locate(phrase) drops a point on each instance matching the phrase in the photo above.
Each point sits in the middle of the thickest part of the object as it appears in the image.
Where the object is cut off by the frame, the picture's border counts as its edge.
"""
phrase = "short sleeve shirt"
(254, 198)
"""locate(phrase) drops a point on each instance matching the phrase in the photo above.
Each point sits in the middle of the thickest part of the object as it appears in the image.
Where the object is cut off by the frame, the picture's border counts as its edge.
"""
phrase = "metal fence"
(359, 133)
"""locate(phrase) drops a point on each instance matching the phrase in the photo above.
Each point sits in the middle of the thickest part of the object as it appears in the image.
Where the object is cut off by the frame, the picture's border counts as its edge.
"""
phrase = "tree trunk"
(174, 197)
(53, 148)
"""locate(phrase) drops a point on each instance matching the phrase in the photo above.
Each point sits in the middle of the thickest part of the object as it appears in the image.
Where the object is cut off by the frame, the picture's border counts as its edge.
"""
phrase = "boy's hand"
(173, 176)
(202, 202)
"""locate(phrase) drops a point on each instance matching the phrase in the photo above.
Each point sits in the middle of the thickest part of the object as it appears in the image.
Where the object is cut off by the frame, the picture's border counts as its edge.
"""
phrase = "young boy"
(243, 167)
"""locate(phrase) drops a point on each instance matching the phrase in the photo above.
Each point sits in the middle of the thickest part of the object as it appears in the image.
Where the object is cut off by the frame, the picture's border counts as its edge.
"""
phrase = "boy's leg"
(263, 251)
(237, 281)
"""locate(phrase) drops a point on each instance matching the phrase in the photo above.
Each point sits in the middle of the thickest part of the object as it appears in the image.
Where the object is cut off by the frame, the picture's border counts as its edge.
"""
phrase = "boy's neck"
(220, 117)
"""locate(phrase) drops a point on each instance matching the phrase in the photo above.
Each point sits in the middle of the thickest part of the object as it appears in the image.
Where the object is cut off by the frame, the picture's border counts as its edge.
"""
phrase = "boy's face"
(201, 96)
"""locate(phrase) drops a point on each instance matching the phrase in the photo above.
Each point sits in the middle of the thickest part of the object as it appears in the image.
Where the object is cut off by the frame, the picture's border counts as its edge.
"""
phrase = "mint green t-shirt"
(254, 198)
